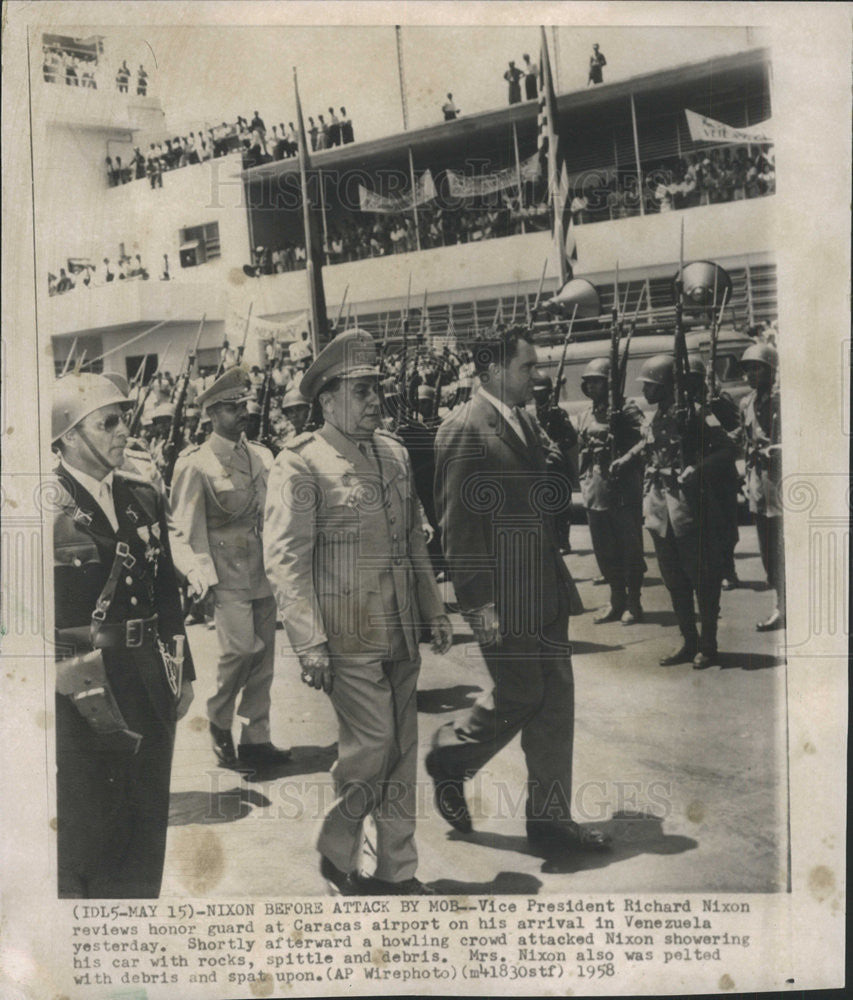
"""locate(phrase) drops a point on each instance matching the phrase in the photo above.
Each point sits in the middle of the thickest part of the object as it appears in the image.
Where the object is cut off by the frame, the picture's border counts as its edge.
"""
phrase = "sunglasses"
(110, 423)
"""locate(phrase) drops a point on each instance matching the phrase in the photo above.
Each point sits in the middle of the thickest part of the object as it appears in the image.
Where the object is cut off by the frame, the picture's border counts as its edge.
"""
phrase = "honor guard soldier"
(761, 425)
(124, 674)
(726, 412)
(296, 410)
(558, 425)
(345, 551)
(612, 490)
(218, 495)
(685, 454)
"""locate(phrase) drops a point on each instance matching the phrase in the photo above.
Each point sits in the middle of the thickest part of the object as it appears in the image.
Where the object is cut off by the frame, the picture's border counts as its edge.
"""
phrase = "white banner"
(704, 129)
(369, 201)
(468, 187)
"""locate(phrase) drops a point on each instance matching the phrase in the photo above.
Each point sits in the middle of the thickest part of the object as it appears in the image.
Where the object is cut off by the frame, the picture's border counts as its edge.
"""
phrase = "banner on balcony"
(472, 187)
(369, 201)
(704, 129)
(261, 333)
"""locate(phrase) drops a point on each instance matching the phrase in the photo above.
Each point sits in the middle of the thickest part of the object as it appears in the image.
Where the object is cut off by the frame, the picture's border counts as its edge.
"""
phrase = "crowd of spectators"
(249, 137)
(82, 273)
(81, 68)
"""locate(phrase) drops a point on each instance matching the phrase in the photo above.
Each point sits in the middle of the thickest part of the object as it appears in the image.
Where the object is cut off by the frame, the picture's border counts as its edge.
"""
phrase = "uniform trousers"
(375, 701)
(771, 545)
(533, 692)
(246, 632)
(113, 804)
(617, 541)
(688, 566)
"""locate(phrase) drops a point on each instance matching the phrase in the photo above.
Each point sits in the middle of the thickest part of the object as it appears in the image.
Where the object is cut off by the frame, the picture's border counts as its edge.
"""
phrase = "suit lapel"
(496, 421)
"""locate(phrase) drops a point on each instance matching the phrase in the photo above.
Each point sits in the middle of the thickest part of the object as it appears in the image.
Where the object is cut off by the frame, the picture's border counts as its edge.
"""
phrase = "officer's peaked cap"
(349, 355)
(232, 386)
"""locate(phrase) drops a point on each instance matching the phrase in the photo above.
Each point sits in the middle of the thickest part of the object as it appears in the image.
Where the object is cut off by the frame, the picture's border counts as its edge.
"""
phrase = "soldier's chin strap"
(98, 455)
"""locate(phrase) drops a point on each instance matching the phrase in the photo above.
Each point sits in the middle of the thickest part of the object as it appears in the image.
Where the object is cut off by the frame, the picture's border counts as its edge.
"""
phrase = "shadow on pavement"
(750, 661)
(504, 883)
(633, 834)
(581, 646)
(436, 700)
(214, 807)
(305, 760)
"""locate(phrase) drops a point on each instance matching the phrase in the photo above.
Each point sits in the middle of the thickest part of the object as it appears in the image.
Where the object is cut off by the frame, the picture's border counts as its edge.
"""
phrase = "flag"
(313, 242)
(550, 156)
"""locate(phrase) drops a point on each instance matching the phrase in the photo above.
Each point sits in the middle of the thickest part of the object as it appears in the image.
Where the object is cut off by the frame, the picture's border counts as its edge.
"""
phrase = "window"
(199, 244)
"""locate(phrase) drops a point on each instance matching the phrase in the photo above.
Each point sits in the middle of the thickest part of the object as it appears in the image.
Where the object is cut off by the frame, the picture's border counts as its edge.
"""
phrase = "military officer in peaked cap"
(218, 496)
(345, 552)
(123, 674)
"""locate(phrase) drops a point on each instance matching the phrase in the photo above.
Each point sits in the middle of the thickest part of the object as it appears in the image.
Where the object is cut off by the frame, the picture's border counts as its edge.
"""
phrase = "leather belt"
(125, 635)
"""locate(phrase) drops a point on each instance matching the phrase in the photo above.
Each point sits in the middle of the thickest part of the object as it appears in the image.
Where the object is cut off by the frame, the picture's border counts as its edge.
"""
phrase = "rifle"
(558, 381)
(614, 398)
(404, 386)
(340, 310)
(681, 362)
(143, 399)
(70, 356)
(716, 320)
(532, 315)
(623, 364)
(384, 345)
(170, 448)
(242, 346)
(266, 397)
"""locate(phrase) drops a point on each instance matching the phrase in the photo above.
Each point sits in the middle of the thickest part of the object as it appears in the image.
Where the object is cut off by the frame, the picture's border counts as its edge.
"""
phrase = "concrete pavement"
(686, 769)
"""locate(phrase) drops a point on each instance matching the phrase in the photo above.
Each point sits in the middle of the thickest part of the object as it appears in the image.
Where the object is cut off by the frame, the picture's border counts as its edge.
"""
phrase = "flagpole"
(398, 34)
(414, 198)
(637, 156)
(553, 173)
(326, 247)
(518, 175)
(313, 260)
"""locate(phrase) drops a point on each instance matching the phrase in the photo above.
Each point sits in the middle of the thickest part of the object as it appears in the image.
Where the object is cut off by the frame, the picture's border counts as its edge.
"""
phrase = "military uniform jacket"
(761, 423)
(84, 546)
(496, 504)
(707, 448)
(218, 498)
(344, 545)
(600, 491)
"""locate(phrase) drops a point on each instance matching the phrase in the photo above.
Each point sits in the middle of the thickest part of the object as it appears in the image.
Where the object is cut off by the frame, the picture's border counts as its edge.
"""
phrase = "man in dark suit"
(121, 685)
(496, 501)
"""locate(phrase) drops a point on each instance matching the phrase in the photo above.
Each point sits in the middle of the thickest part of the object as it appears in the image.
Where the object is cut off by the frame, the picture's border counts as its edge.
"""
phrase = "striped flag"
(554, 167)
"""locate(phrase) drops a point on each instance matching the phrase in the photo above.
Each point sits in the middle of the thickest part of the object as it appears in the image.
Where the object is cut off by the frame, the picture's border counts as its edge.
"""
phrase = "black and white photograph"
(425, 475)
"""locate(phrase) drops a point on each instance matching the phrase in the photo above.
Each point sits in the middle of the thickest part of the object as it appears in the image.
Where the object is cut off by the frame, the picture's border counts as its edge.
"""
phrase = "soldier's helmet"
(163, 410)
(78, 394)
(119, 381)
(658, 370)
(696, 365)
(597, 368)
(762, 353)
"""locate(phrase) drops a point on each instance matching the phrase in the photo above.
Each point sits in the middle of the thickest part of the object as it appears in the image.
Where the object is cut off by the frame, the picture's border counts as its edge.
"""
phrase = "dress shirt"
(509, 413)
(101, 490)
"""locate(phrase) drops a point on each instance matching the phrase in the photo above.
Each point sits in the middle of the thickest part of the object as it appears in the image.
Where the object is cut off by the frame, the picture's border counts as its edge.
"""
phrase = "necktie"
(107, 505)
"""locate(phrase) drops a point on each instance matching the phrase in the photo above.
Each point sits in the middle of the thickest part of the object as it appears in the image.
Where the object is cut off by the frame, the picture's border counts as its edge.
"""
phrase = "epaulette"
(386, 432)
(190, 448)
(133, 477)
(294, 444)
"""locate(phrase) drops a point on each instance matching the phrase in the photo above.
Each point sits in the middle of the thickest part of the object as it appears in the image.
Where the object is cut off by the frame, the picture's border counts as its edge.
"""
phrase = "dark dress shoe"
(223, 747)
(607, 614)
(262, 754)
(775, 621)
(340, 883)
(371, 886)
(632, 615)
(684, 654)
(704, 659)
(449, 796)
(567, 838)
